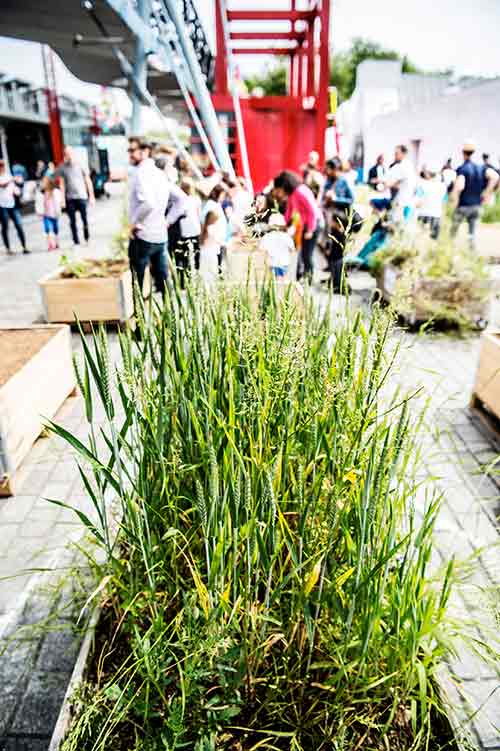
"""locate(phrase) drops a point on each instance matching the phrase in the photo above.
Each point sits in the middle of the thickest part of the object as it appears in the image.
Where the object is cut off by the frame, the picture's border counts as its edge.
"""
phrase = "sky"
(435, 34)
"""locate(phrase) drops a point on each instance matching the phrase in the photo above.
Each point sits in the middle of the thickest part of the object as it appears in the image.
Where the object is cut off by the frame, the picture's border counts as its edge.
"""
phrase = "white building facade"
(429, 114)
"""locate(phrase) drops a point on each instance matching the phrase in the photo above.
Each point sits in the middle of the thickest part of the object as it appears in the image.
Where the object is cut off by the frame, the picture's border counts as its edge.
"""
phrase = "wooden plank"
(95, 299)
(7, 486)
(476, 310)
(487, 384)
(34, 394)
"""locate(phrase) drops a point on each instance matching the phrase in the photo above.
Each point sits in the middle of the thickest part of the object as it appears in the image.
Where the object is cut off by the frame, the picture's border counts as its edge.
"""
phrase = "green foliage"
(273, 82)
(270, 584)
(441, 280)
(491, 214)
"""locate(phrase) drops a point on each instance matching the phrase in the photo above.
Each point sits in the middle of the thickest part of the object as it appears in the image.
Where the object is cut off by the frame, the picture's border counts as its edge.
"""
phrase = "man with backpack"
(473, 187)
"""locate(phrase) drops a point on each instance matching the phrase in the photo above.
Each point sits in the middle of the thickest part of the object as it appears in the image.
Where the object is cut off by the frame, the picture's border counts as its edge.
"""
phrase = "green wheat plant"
(269, 586)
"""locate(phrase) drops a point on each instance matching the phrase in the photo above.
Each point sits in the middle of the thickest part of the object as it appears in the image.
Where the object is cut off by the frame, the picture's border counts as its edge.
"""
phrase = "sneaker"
(26, 251)
(10, 252)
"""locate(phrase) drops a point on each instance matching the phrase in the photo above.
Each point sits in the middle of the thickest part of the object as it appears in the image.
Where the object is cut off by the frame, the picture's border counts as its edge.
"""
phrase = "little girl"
(278, 245)
(213, 235)
(50, 203)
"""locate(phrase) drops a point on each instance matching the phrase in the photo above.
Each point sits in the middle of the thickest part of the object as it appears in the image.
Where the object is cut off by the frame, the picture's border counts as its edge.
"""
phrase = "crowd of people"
(175, 217)
(67, 187)
(178, 219)
(404, 197)
(296, 212)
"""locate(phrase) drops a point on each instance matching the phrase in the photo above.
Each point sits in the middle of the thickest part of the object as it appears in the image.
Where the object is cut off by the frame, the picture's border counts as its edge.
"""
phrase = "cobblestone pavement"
(459, 459)
(38, 642)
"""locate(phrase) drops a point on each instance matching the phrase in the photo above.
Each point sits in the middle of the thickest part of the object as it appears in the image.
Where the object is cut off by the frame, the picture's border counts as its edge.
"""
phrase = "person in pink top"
(300, 200)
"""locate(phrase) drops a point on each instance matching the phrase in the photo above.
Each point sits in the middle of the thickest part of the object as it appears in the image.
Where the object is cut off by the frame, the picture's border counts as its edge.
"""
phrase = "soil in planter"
(17, 346)
(111, 650)
(92, 268)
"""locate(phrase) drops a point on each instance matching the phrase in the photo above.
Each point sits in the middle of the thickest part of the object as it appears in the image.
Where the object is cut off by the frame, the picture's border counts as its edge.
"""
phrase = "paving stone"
(36, 480)
(17, 661)
(37, 528)
(59, 650)
(485, 696)
(24, 743)
(16, 509)
(459, 499)
(41, 703)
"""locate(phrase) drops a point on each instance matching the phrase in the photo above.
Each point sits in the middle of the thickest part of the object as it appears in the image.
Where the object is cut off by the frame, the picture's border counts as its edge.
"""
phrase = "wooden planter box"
(476, 311)
(32, 393)
(487, 383)
(96, 299)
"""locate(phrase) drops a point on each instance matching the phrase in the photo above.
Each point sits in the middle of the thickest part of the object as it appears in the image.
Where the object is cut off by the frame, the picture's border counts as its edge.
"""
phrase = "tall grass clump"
(269, 585)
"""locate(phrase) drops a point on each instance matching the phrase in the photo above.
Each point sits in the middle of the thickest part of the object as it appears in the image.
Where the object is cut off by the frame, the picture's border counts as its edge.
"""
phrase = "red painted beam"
(264, 50)
(271, 15)
(221, 59)
(254, 35)
(324, 78)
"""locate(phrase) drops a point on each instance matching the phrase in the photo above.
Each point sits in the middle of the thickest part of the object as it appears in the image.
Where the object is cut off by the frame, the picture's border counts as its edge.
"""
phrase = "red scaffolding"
(280, 130)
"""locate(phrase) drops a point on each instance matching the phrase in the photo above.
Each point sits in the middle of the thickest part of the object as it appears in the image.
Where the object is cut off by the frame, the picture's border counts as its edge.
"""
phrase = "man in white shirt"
(148, 199)
(402, 181)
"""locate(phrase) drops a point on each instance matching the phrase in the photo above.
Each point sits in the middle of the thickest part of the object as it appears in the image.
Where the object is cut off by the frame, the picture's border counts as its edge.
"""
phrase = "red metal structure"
(280, 130)
(56, 137)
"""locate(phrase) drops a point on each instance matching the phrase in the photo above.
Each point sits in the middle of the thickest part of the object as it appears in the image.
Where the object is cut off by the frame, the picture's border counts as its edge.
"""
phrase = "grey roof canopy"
(60, 22)
(57, 22)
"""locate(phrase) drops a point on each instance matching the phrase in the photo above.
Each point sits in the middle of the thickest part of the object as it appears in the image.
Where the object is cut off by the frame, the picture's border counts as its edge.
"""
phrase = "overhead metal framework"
(68, 26)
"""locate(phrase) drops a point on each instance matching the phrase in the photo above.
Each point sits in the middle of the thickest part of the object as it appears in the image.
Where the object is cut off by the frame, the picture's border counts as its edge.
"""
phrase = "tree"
(344, 64)
(273, 82)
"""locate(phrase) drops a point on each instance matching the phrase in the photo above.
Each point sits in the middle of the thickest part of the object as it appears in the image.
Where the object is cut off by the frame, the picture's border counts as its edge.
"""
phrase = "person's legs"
(71, 207)
(4, 219)
(435, 227)
(55, 228)
(456, 221)
(181, 265)
(193, 252)
(308, 246)
(47, 228)
(15, 215)
(82, 208)
(159, 265)
(138, 258)
(336, 258)
(472, 216)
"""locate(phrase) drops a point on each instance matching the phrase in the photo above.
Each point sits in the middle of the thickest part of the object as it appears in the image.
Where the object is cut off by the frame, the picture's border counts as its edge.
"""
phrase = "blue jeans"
(15, 216)
(279, 271)
(74, 205)
(51, 225)
(143, 254)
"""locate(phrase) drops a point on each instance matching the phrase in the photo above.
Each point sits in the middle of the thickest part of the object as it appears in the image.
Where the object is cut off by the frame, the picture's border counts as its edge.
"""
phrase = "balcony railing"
(23, 104)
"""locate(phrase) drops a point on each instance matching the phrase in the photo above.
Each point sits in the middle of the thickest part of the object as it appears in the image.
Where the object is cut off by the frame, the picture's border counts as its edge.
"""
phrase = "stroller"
(99, 180)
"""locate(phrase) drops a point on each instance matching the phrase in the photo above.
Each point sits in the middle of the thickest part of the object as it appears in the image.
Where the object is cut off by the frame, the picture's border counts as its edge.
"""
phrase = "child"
(190, 229)
(278, 245)
(50, 203)
(431, 193)
(213, 235)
